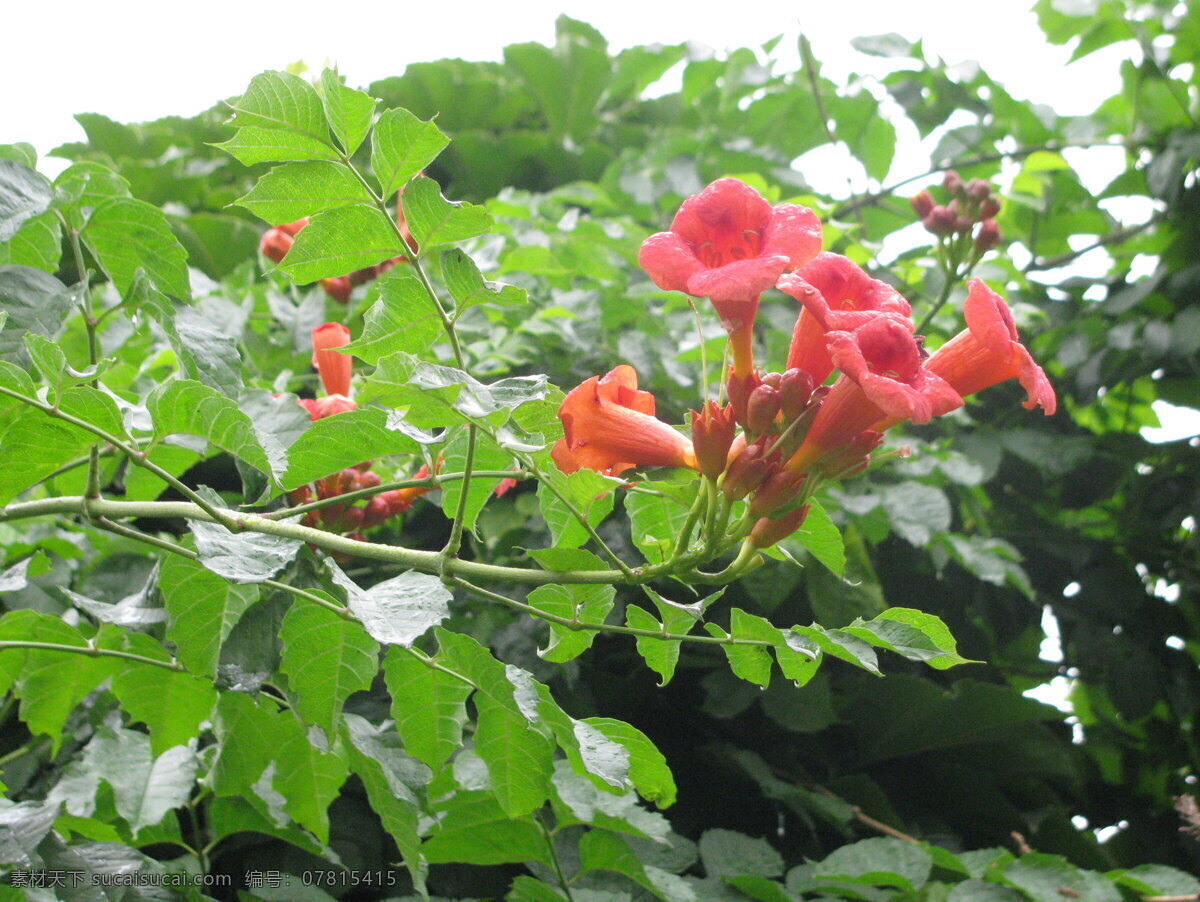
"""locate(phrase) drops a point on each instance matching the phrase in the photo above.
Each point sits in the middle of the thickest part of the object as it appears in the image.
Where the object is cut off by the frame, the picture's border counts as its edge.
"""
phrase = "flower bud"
(334, 367)
(352, 518)
(940, 221)
(767, 532)
(795, 390)
(367, 480)
(337, 287)
(762, 408)
(989, 208)
(712, 434)
(988, 236)
(299, 495)
(922, 203)
(375, 512)
(978, 190)
(293, 228)
(772, 379)
(275, 244)
(362, 276)
(746, 472)
(739, 389)
(778, 490)
(953, 182)
(853, 457)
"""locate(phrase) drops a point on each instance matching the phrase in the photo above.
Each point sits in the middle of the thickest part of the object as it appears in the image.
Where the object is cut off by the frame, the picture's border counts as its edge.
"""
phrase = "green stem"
(21, 751)
(950, 281)
(89, 320)
(454, 543)
(92, 652)
(558, 871)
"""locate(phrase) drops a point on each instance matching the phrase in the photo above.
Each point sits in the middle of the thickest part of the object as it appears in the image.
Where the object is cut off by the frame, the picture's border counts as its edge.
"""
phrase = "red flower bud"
(334, 367)
(292, 228)
(712, 434)
(978, 190)
(922, 203)
(772, 379)
(367, 480)
(762, 408)
(375, 512)
(795, 390)
(988, 236)
(778, 490)
(338, 288)
(739, 389)
(275, 244)
(953, 182)
(746, 473)
(940, 221)
(989, 208)
(767, 532)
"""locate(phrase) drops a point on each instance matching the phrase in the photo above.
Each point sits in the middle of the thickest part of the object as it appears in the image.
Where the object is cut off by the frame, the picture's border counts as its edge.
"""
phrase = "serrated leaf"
(433, 220)
(171, 705)
(326, 658)
(726, 853)
(24, 194)
(586, 605)
(146, 787)
(1043, 878)
(35, 302)
(308, 777)
(488, 456)
(281, 101)
(203, 609)
(128, 235)
(841, 645)
(390, 778)
(243, 557)
(403, 318)
(296, 190)
(750, 662)
(340, 241)
(655, 523)
(252, 145)
(821, 538)
(660, 655)
(83, 186)
(349, 111)
(429, 706)
(401, 146)
(468, 287)
(343, 440)
(475, 828)
(590, 493)
(912, 634)
(397, 611)
(879, 861)
(38, 243)
(648, 770)
(189, 407)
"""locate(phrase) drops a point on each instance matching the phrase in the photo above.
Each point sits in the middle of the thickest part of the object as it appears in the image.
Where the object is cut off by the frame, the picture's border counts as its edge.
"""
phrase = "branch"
(92, 651)
(1117, 236)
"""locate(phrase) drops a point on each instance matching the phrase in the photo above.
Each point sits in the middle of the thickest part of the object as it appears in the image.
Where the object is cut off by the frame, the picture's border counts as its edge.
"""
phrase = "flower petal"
(669, 261)
(795, 232)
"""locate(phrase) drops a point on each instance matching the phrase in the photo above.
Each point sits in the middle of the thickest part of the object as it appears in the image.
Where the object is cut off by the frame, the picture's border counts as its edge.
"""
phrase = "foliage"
(472, 702)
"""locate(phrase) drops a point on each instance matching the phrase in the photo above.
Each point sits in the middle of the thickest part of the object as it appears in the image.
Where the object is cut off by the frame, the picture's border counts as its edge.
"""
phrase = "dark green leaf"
(24, 194)
(203, 609)
(428, 704)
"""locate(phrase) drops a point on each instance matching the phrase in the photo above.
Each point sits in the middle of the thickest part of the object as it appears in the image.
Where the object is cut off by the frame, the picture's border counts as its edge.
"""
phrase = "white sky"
(135, 60)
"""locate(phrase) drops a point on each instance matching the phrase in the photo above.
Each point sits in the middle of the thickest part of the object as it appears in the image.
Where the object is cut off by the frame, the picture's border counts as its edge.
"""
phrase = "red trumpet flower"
(989, 351)
(610, 427)
(729, 245)
(334, 369)
(837, 296)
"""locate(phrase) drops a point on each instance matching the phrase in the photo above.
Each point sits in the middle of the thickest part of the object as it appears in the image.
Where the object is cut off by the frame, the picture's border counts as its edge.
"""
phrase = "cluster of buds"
(336, 370)
(971, 203)
(277, 241)
(797, 432)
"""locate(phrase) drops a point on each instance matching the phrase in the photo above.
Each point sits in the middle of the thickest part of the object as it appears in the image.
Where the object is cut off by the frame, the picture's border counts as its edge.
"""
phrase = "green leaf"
(296, 190)
(429, 706)
(83, 186)
(567, 82)
(389, 777)
(186, 406)
(880, 861)
(660, 655)
(600, 850)
(49, 683)
(579, 603)
(309, 777)
(404, 318)
(433, 220)
(21, 152)
(203, 609)
(243, 557)
(349, 111)
(38, 243)
(172, 705)
(517, 755)
(35, 302)
(1158, 880)
(590, 493)
(1043, 878)
(475, 828)
(488, 456)
(326, 658)
(726, 853)
(913, 634)
(821, 538)
(648, 771)
(282, 101)
(656, 520)
(334, 443)
(397, 611)
(252, 145)
(128, 236)
(24, 194)
(750, 662)
(468, 287)
(340, 241)
(401, 146)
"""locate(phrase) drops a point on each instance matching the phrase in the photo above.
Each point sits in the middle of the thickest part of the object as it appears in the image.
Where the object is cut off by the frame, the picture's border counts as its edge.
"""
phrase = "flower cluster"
(971, 203)
(854, 368)
(335, 370)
